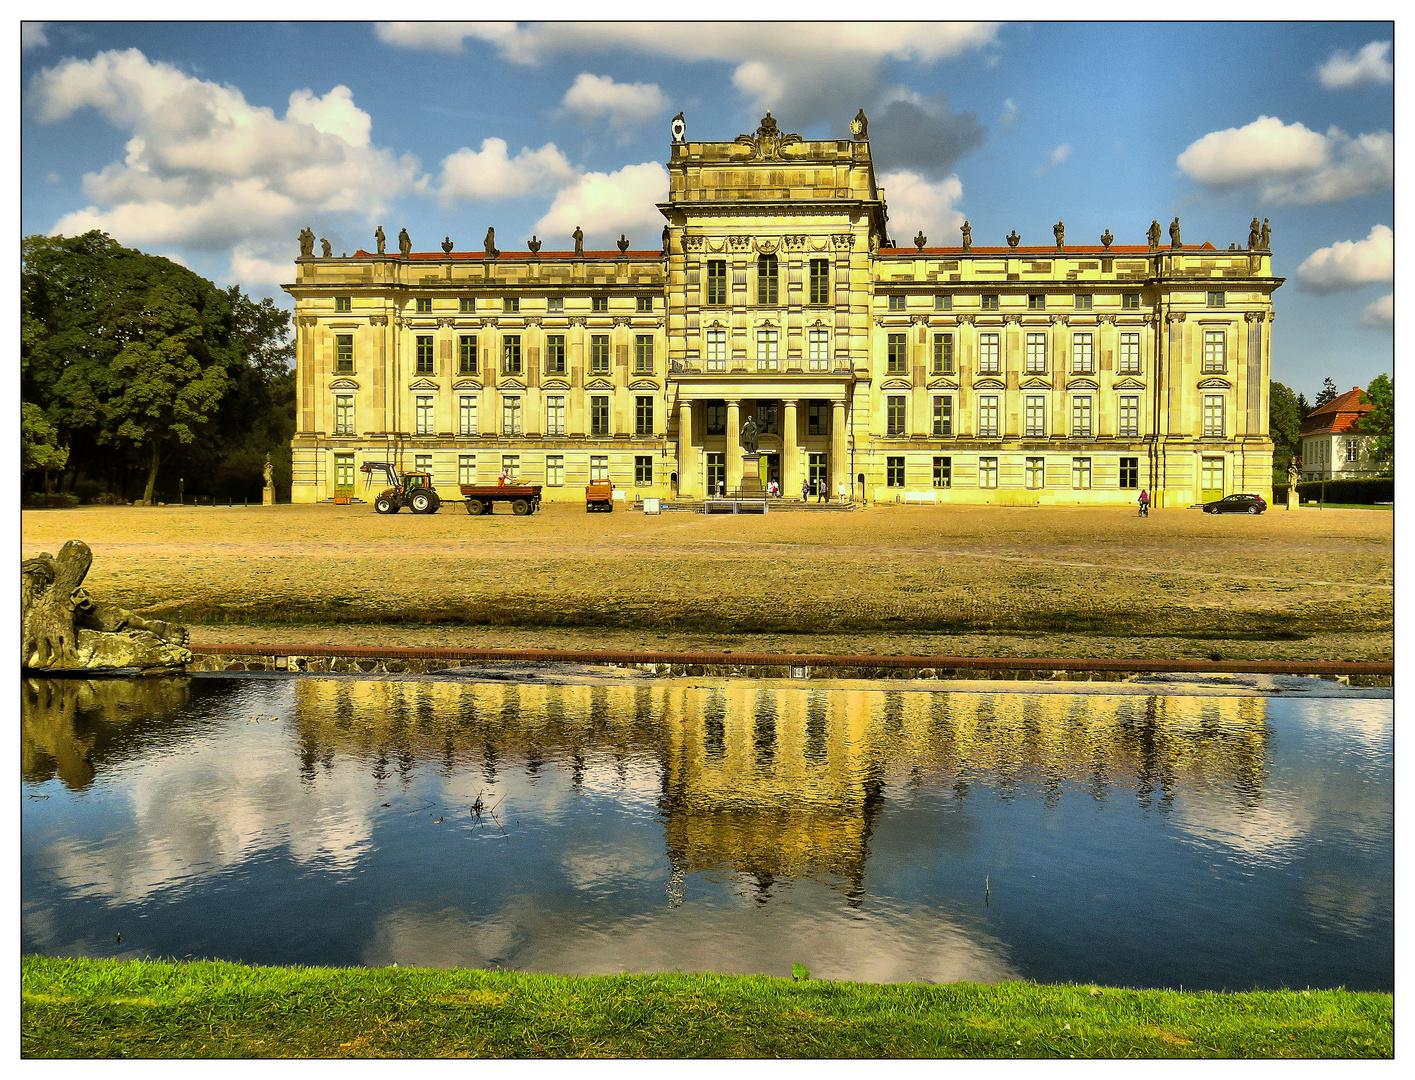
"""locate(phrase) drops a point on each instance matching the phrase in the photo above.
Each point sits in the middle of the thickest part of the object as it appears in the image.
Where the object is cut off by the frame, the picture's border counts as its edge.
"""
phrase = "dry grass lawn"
(934, 580)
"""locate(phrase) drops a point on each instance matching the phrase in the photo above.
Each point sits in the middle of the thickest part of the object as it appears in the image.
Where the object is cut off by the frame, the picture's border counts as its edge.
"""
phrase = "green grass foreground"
(140, 1009)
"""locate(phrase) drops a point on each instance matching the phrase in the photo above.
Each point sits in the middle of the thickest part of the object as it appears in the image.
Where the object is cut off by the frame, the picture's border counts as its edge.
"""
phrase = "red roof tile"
(1070, 249)
(513, 255)
(1339, 415)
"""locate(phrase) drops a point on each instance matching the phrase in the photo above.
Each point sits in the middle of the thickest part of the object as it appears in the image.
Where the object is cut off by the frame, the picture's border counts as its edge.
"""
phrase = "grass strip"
(156, 1009)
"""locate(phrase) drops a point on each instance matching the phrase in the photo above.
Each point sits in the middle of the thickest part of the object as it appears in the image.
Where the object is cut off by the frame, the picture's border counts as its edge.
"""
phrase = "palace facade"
(1058, 374)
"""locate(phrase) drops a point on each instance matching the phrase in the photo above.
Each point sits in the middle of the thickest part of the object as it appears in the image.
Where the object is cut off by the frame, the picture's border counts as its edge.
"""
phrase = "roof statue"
(678, 128)
(1013, 239)
(665, 239)
(1153, 235)
(768, 141)
(1059, 231)
(622, 243)
(1254, 234)
(447, 245)
(490, 243)
(326, 249)
(1267, 238)
(379, 239)
(967, 236)
(405, 243)
(1174, 234)
(579, 237)
(860, 126)
(534, 244)
(1106, 239)
(920, 240)
(306, 242)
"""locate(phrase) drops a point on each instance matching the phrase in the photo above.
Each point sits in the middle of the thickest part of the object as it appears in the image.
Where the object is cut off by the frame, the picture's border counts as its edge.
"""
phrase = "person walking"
(841, 491)
(1144, 503)
(820, 490)
(805, 490)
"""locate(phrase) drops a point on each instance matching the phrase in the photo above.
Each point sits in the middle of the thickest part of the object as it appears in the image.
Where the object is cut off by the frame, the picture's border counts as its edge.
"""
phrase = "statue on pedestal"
(749, 436)
(1059, 231)
(967, 236)
(328, 251)
(380, 239)
(579, 237)
(268, 495)
(489, 243)
(306, 242)
(1153, 235)
(405, 243)
(1174, 234)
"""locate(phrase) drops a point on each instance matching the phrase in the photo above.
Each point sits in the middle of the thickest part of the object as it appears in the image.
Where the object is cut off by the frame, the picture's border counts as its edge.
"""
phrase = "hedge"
(1373, 490)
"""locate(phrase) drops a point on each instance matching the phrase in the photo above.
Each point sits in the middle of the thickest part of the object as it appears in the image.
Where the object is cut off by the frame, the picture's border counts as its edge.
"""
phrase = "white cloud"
(1291, 163)
(805, 72)
(32, 35)
(489, 173)
(205, 170)
(1381, 312)
(1011, 115)
(916, 203)
(1371, 66)
(1055, 158)
(595, 97)
(607, 204)
(1350, 264)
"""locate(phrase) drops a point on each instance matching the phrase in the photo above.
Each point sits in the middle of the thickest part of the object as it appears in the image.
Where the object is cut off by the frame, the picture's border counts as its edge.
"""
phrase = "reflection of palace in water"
(776, 782)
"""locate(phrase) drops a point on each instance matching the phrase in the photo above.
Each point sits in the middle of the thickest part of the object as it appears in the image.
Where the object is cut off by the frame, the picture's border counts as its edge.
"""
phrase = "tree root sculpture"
(62, 627)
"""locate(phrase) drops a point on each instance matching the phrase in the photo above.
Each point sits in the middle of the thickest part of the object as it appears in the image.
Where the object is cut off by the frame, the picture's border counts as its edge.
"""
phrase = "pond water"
(868, 831)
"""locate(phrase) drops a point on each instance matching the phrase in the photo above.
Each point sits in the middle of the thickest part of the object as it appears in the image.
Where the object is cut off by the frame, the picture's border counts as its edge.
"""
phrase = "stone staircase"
(774, 506)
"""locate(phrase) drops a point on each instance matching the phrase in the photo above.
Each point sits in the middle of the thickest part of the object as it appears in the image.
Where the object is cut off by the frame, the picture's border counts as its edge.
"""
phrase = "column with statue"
(267, 497)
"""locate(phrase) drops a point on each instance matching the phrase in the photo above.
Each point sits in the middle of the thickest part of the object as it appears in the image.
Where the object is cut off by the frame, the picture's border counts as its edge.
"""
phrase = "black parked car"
(1237, 504)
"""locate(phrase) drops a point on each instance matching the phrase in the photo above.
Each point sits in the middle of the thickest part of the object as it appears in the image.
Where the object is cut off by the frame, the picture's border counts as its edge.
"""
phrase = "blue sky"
(215, 143)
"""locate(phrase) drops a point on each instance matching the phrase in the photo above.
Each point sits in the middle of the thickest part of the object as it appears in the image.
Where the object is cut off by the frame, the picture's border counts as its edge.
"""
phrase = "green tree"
(1328, 392)
(1284, 422)
(1380, 421)
(1304, 407)
(39, 441)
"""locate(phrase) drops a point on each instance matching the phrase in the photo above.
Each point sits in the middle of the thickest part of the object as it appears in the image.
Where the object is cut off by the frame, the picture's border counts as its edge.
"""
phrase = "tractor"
(413, 490)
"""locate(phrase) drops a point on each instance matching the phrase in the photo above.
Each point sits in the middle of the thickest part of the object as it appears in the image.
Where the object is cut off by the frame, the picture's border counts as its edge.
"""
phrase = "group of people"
(818, 488)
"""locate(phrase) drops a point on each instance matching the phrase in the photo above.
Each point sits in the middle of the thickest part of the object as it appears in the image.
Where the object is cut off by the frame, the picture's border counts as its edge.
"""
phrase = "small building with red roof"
(1333, 445)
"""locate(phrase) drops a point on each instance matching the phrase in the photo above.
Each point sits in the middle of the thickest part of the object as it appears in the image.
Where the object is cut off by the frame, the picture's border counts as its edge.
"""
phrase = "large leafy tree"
(1380, 421)
(134, 359)
(1284, 422)
(39, 441)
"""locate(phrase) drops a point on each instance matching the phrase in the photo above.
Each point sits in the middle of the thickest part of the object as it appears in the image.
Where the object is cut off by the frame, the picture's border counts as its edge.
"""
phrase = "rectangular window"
(599, 415)
(643, 303)
(716, 283)
(511, 466)
(1213, 416)
(818, 418)
(1216, 299)
(510, 416)
(510, 304)
(898, 354)
(1353, 449)
(717, 350)
(599, 469)
(466, 468)
(943, 302)
(716, 474)
(424, 354)
(599, 303)
(554, 470)
(555, 305)
(715, 418)
(1036, 413)
(424, 305)
(342, 303)
(344, 414)
(466, 415)
(943, 415)
(467, 305)
(599, 354)
(343, 354)
(511, 354)
(987, 416)
(815, 464)
(1083, 359)
(894, 472)
(987, 472)
(989, 362)
(1036, 353)
(467, 354)
(767, 417)
(423, 463)
(1083, 301)
(989, 302)
(424, 422)
(643, 415)
(555, 354)
(766, 350)
(820, 281)
(1081, 473)
(896, 408)
(1130, 472)
(1214, 351)
(1130, 301)
(766, 279)
(1129, 426)
(643, 470)
(1130, 353)
(896, 302)
(1081, 418)
(818, 350)
(643, 354)
(1036, 302)
(943, 354)
(1035, 474)
(555, 415)
(943, 472)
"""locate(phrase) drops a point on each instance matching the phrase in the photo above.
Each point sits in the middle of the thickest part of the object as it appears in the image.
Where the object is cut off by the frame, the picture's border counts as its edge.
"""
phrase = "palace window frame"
(817, 417)
(643, 305)
(643, 354)
(511, 415)
(1128, 417)
(643, 470)
(1083, 302)
(467, 354)
(466, 469)
(467, 414)
(768, 280)
(896, 415)
(599, 415)
(897, 354)
(1213, 416)
(1035, 413)
(343, 354)
(716, 283)
(987, 416)
(555, 470)
(424, 422)
(555, 414)
(1082, 417)
(1034, 473)
(343, 304)
(555, 305)
(894, 472)
(599, 354)
(599, 305)
(989, 353)
(1130, 301)
(896, 301)
(1129, 473)
(424, 355)
(1215, 352)
(343, 414)
(555, 354)
(466, 305)
(511, 354)
(1036, 302)
(943, 415)
(987, 473)
(943, 472)
(1216, 300)
(1129, 353)
(1083, 355)
(511, 466)
(767, 346)
(1081, 473)
(643, 414)
(510, 305)
(989, 302)
(599, 468)
(1036, 353)
(715, 349)
(422, 305)
(715, 418)
(818, 350)
(943, 354)
(820, 283)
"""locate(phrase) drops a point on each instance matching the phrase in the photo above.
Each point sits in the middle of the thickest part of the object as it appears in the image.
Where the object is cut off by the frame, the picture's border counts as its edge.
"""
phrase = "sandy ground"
(920, 580)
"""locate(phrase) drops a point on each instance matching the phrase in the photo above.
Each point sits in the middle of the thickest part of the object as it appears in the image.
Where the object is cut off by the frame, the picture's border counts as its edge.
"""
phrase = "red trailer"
(482, 498)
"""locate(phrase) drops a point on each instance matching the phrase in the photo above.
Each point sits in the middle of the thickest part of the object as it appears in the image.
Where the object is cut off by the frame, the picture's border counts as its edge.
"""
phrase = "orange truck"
(599, 497)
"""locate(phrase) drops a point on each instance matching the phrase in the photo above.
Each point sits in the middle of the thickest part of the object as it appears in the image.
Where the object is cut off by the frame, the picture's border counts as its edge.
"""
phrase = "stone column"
(687, 457)
(839, 456)
(790, 453)
(734, 445)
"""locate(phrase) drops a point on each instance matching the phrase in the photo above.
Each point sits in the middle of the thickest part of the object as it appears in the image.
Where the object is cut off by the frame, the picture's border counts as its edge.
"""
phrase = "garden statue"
(306, 242)
(379, 238)
(1174, 234)
(267, 497)
(1154, 235)
(749, 436)
(405, 243)
(61, 626)
(579, 238)
(967, 236)
(328, 251)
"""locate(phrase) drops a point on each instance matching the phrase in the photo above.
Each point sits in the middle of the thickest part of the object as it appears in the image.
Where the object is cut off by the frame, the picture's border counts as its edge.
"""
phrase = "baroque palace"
(1020, 375)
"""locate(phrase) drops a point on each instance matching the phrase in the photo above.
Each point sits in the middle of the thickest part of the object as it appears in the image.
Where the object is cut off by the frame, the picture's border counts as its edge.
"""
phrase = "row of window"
(467, 363)
(1038, 301)
(1035, 413)
(424, 423)
(510, 305)
(1034, 472)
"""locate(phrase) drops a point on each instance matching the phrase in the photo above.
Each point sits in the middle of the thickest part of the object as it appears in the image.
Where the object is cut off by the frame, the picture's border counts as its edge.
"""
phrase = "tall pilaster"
(687, 453)
(734, 445)
(839, 458)
(790, 454)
